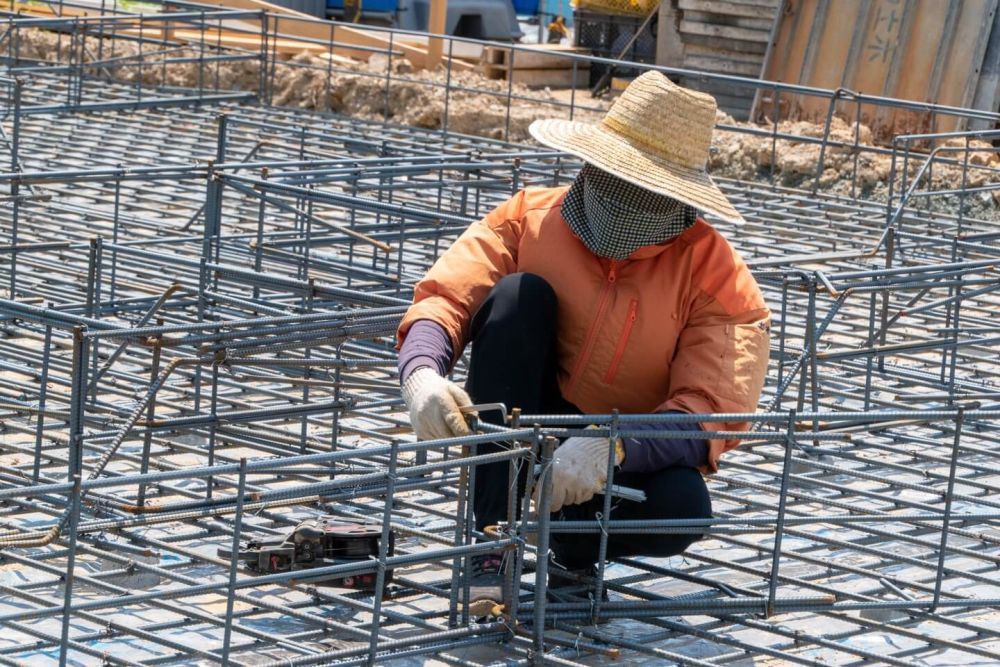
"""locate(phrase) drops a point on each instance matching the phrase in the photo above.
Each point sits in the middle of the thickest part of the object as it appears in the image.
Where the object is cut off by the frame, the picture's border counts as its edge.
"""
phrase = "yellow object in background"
(557, 30)
(352, 11)
(624, 7)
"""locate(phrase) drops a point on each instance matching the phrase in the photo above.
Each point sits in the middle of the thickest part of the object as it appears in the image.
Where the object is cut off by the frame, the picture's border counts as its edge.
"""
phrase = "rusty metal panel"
(988, 88)
(923, 50)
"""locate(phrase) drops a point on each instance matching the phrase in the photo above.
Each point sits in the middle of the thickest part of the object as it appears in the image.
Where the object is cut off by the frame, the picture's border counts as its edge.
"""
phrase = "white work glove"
(579, 471)
(435, 405)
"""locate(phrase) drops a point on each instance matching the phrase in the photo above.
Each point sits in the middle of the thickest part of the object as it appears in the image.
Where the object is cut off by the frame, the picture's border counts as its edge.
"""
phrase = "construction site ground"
(201, 300)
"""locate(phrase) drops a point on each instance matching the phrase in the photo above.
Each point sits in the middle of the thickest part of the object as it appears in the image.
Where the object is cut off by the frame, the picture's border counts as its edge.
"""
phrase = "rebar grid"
(198, 346)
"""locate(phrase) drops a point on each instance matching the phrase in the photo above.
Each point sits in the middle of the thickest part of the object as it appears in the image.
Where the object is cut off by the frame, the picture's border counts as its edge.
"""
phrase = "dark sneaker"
(485, 584)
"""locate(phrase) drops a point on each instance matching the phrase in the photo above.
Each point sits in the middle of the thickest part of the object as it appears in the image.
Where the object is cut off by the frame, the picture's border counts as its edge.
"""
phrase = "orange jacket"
(678, 326)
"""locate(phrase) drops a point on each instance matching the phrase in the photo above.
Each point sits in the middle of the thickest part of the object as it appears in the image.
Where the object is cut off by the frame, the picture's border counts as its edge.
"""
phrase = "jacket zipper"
(633, 307)
(588, 342)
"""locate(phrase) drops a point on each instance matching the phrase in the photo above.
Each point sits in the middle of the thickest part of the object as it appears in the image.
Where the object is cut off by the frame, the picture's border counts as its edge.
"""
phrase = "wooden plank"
(436, 26)
(737, 56)
(289, 25)
(492, 56)
(286, 47)
(752, 23)
(725, 88)
(737, 106)
(722, 65)
(464, 50)
(774, 4)
(551, 78)
(752, 10)
(502, 70)
(156, 28)
(233, 40)
(293, 23)
(722, 44)
(532, 57)
(34, 8)
(739, 110)
(669, 42)
(724, 31)
(339, 60)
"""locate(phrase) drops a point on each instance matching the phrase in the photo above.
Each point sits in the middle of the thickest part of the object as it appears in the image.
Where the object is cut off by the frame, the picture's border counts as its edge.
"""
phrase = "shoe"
(485, 584)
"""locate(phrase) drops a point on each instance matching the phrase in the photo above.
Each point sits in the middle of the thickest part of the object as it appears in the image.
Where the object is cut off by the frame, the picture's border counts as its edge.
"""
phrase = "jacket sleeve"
(426, 344)
(458, 283)
(719, 367)
(652, 454)
(721, 357)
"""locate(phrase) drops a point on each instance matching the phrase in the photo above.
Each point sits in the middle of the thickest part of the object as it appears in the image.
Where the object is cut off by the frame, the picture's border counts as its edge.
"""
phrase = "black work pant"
(514, 362)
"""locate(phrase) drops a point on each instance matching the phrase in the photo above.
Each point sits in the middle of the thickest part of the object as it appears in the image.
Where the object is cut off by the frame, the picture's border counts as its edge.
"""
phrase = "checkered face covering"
(614, 218)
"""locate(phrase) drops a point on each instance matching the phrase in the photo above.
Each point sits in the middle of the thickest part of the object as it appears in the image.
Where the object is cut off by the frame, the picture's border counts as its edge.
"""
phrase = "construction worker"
(612, 293)
(557, 30)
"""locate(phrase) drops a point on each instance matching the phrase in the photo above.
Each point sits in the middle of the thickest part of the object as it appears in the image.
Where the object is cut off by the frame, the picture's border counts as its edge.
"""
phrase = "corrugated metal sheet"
(988, 89)
(923, 50)
(722, 37)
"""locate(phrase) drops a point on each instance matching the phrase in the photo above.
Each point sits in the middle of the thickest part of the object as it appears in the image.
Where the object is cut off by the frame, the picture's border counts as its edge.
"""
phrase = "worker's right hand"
(579, 471)
(435, 405)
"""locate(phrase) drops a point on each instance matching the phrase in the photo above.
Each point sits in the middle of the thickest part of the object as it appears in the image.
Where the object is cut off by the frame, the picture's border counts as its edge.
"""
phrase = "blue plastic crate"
(526, 7)
(367, 5)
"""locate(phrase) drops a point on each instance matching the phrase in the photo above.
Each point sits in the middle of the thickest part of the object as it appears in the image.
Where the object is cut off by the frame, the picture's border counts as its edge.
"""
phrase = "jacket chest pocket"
(623, 337)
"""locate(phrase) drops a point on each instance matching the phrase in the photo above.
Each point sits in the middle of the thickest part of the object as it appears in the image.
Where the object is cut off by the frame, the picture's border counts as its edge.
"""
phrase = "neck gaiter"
(614, 218)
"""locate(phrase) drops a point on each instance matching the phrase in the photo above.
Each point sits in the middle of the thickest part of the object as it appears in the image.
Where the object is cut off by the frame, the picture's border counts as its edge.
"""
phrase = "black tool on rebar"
(319, 542)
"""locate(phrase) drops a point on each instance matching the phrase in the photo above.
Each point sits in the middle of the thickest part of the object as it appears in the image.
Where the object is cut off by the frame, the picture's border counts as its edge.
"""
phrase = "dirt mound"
(852, 171)
(406, 96)
(364, 90)
(746, 156)
(478, 106)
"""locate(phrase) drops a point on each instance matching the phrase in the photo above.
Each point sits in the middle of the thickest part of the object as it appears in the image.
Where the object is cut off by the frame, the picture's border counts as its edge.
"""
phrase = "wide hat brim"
(616, 155)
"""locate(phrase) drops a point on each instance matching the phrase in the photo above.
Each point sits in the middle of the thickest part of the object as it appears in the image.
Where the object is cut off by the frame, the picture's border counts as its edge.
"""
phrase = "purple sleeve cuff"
(426, 344)
(652, 454)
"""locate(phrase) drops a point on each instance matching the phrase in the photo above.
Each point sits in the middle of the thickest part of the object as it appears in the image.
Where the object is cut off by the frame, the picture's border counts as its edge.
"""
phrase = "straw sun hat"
(656, 135)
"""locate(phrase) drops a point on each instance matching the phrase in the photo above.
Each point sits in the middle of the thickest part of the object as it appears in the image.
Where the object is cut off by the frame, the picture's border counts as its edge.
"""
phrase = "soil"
(477, 105)
(795, 162)
(854, 169)
(415, 97)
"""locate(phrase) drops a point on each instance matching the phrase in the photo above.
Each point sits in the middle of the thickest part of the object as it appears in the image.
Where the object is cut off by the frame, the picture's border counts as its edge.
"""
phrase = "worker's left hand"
(579, 471)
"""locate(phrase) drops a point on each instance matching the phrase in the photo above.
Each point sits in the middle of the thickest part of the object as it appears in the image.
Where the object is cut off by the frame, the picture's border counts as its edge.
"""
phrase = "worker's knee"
(523, 297)
(677, 493)
(691, 497)
(671, 493)
(527, 291)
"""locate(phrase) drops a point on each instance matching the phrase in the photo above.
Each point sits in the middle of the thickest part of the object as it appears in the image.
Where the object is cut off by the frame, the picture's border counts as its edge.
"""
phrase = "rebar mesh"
(201, 297)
